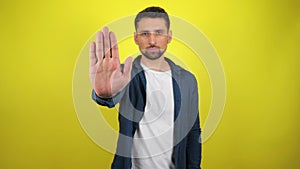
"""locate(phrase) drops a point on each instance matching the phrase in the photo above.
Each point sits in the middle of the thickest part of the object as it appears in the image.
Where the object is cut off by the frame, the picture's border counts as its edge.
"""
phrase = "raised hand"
(106, 75)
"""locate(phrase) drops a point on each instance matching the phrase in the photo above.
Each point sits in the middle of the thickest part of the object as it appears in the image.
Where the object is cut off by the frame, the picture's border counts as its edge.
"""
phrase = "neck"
(160, 64)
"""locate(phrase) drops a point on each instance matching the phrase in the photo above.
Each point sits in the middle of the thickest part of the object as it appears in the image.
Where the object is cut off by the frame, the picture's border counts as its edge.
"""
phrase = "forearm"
(108, 102)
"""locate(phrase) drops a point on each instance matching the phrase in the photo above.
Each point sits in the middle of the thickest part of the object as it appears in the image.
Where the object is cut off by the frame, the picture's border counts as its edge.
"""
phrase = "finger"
(105, 65)
(114, 45)
(99, 46)
(106, 43)
(93, 57)
(114, 50)
(127, 68)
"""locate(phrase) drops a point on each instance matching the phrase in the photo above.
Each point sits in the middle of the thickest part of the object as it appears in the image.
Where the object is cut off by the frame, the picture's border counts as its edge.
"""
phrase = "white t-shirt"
(153, 140)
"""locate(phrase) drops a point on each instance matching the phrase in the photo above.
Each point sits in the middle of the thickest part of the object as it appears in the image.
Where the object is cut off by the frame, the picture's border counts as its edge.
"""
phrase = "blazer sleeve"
(194, 146)
(108, 102)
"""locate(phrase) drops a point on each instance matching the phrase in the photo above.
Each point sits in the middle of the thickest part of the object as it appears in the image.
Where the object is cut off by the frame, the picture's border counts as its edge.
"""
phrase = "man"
(158, 113)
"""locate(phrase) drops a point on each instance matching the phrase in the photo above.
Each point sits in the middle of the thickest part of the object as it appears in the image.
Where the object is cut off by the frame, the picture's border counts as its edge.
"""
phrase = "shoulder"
(181, 73)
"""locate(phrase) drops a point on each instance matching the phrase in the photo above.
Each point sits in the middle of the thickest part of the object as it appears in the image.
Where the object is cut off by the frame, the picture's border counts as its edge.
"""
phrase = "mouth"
(153, 49)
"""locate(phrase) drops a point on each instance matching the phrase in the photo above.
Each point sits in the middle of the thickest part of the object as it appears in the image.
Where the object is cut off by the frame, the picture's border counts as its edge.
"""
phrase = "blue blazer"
(187, 141)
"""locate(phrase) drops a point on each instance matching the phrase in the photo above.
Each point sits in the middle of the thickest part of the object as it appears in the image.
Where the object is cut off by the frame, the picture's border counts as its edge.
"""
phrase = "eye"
(145, 33)
(159, 32)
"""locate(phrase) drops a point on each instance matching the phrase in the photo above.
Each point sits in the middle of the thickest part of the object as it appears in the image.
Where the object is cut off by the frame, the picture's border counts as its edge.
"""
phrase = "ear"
(169, 36)
(136, 38)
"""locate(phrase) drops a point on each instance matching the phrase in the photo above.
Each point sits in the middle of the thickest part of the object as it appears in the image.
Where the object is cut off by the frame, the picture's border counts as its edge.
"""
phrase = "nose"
(152, 39)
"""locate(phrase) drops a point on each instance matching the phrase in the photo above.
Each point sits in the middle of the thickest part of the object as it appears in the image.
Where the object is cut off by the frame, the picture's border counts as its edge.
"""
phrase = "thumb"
(127, 67)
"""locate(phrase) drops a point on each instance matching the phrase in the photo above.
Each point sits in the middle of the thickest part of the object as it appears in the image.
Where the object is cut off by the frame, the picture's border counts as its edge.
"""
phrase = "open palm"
(106, 75)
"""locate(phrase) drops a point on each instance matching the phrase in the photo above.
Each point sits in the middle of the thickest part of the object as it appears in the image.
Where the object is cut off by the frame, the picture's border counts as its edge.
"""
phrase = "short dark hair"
(152, 12)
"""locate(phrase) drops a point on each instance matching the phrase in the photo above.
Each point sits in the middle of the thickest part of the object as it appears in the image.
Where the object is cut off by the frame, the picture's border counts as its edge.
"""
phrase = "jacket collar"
(175, 69)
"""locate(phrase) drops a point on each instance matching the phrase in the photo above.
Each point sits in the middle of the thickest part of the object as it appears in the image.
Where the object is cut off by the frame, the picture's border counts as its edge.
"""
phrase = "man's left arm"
(194, 147)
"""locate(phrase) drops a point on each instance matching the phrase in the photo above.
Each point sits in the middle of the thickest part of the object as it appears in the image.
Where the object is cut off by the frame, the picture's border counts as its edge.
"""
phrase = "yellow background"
(258, 44)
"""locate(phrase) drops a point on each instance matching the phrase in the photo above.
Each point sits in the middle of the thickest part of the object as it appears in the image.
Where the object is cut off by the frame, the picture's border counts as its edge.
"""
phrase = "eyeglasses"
(156, 34)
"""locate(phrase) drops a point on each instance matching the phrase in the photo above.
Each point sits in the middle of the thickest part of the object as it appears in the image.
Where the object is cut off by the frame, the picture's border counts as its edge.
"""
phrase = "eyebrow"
(157, 30)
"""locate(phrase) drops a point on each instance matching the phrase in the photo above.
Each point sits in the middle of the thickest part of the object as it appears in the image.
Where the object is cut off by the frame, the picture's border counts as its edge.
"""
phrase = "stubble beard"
(153, 55)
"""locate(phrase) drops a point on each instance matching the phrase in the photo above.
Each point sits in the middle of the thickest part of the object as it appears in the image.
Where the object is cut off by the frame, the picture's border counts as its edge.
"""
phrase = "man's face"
(152, 36)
